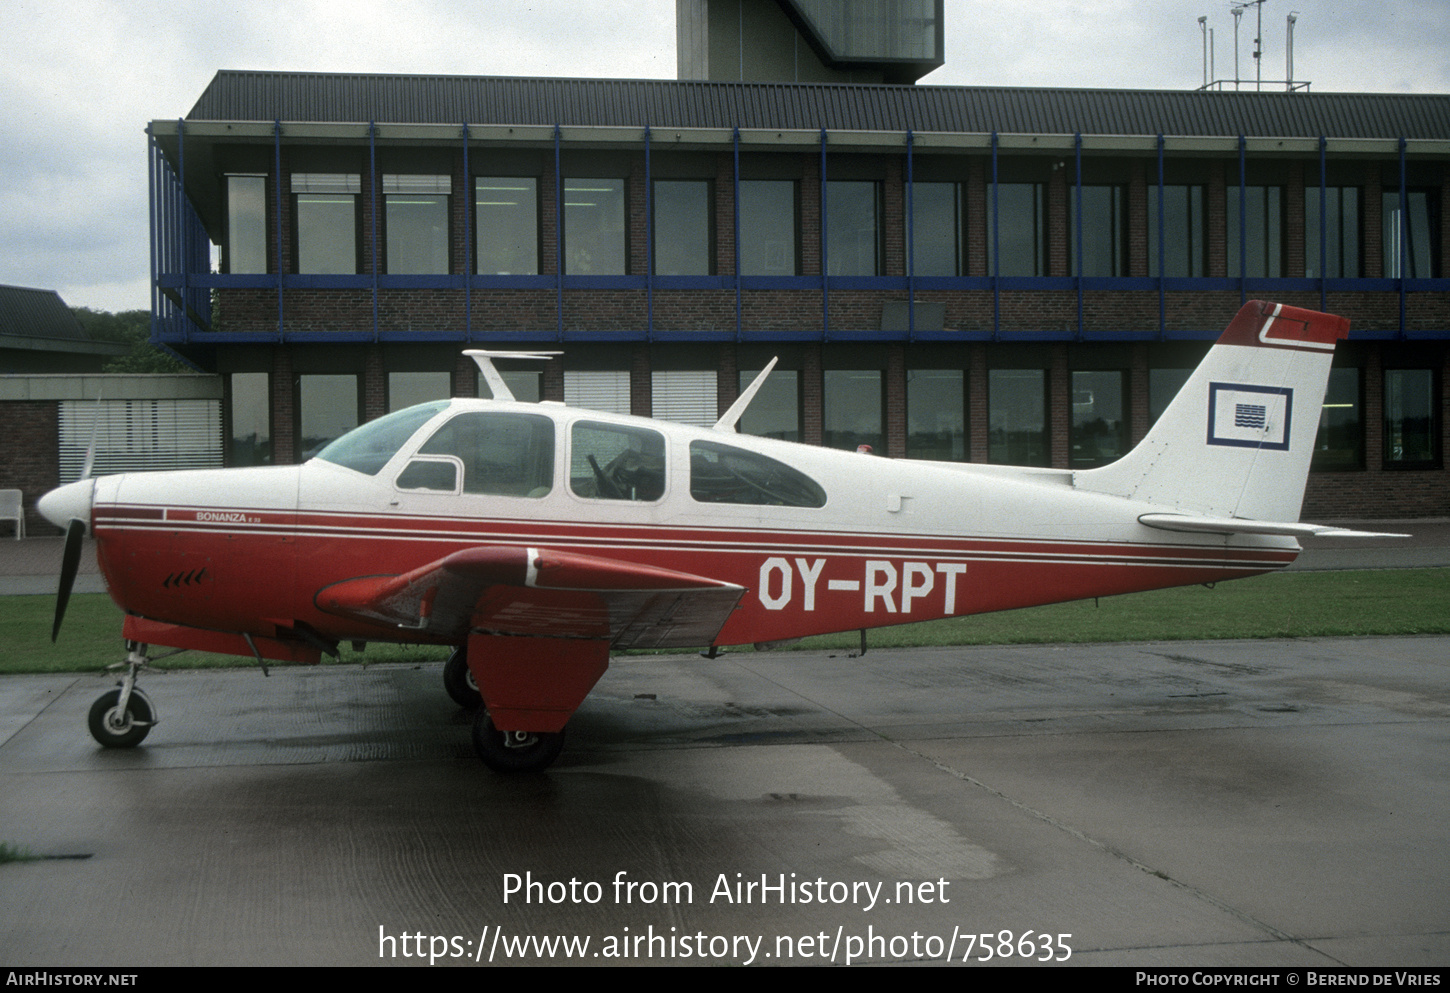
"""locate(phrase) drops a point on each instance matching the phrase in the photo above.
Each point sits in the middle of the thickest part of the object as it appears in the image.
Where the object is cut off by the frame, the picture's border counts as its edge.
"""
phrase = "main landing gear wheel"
(115, 728)
(514, 751)
(459, 682)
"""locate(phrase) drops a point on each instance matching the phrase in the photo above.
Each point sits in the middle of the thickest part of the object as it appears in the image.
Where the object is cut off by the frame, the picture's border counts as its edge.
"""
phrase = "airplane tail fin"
(1237, 439)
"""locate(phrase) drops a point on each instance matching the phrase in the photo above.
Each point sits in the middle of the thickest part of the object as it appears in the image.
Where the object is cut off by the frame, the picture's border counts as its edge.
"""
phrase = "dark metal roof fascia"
(317, 97)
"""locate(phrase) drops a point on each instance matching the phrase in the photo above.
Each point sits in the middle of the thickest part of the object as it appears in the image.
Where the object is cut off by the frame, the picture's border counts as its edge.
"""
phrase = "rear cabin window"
(498, 454)
(616, 462)
(723, 474)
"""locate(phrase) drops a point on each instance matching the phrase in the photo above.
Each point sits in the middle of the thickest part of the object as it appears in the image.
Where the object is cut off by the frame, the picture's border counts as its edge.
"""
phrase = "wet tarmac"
(1186, 803)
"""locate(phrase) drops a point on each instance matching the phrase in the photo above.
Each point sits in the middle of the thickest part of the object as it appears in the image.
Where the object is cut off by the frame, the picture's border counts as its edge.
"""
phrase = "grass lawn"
(1283, 605)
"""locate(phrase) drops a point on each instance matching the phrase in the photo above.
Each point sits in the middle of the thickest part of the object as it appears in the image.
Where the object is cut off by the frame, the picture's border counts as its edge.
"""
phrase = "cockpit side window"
(725, 474)
(501, 454)
(368, 448)
(616, 462)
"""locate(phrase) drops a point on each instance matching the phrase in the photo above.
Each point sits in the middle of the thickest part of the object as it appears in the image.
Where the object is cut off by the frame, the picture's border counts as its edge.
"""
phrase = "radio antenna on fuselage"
(484, 357)
(727, 420)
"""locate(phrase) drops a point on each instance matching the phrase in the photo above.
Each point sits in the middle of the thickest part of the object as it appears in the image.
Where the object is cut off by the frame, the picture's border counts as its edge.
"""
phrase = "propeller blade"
(70, 562)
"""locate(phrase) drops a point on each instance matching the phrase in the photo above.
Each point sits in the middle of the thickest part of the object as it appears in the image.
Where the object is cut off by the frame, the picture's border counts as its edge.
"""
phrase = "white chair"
(12, 509)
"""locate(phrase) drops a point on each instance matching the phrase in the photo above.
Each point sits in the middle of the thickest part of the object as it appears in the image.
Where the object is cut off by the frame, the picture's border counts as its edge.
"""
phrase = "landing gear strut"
(123, 717)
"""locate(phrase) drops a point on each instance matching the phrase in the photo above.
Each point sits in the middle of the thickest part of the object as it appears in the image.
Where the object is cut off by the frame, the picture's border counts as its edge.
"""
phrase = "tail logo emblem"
(1241, 415)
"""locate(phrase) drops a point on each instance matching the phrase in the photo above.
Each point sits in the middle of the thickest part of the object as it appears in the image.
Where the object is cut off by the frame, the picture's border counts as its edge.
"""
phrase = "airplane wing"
(1234, 525)
(542, 593)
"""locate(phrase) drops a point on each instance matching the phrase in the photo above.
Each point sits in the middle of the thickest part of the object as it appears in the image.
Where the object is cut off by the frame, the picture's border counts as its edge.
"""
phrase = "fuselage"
(821, 540)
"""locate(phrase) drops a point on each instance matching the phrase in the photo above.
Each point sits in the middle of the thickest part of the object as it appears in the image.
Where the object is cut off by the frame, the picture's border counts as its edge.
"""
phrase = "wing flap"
(542, 593)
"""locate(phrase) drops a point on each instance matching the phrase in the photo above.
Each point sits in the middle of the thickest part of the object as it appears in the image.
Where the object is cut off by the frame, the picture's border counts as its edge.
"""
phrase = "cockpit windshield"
(368, 448)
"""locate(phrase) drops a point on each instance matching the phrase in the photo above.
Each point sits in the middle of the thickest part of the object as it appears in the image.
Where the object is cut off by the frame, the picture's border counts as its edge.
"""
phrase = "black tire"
(114, 730)
(458, 680)
(514, 751)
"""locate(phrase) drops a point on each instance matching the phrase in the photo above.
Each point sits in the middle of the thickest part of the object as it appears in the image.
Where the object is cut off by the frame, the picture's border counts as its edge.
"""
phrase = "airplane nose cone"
(67, 503)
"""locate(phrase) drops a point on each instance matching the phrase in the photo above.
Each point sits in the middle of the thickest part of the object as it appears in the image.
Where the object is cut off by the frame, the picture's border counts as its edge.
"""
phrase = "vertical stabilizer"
(1237, 439)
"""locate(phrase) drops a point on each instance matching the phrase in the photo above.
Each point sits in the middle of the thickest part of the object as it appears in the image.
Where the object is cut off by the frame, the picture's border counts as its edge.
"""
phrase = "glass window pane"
(853, 233)
(1022, 229)
(1017, 416)
(614, 462)
(251, 430)
(767, 227)
(246, 224)
(725, 474)
(1099, 433)
(503, 454)
(851, 409)
(1411, 246)
(1263, 224)
(326, 410)
(597, 389)
(936, 226)
(408, 388)
(1183, 251)
(1163, 386)
(935, 418)
(594, 227)
(775, 411)
(416, 220)
(506, 232)
(682, 240)
(1104, 218)
(685, 396)
(326, 217)
(527, 385)
(1340, 441)
(1410, 417)
(1340, 232)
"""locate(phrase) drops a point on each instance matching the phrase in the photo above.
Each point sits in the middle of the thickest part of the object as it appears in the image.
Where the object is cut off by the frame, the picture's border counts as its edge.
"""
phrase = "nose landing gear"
(123, 717)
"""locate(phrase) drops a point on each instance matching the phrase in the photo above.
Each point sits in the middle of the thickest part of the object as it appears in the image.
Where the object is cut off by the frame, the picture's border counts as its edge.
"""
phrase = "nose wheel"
(123, 717)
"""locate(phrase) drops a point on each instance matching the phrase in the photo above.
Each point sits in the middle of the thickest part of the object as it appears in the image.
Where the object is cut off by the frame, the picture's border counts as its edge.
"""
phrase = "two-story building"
(994, 275)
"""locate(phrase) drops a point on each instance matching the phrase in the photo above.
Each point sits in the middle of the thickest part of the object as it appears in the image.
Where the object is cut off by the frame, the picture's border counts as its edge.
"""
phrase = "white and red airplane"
(537, 538)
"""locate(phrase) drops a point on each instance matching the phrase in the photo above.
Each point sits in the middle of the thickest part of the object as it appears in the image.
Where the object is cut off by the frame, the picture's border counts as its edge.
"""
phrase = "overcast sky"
(81, 78)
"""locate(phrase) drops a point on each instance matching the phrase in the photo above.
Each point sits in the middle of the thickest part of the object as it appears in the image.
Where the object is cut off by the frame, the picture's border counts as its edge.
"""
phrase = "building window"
(768, 227)
(1340, 441)
(936, 229)
(1104, 221)
(1259, 251)
(249, 413)
(935, 415)
(597, 389)
(594, 227)
(326, 215)
(113, 436)
(851, 413)
(1163, 386)
(246, 224)
(527, 385)
(1339, 232)
(682, 231)
(407, 389)
(1017, 416)
(1410, 430)
(1183, 243)
(1099, 432)
(1412, 249)
(327, 409)
(685, 396)
(853, 228)
(416, 220)
(506, 226)
(775, 411)
(1021, 217)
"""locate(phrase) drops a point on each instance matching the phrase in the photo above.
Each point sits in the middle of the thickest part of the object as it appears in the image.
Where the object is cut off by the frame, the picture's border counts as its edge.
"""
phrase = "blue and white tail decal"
(1245, 416)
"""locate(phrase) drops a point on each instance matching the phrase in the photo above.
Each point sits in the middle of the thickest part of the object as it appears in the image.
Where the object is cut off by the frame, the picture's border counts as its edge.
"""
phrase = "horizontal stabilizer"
(1233, 525)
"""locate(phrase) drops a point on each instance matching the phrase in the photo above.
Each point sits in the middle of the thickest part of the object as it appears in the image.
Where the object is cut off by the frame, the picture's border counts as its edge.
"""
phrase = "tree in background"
(129, 327)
